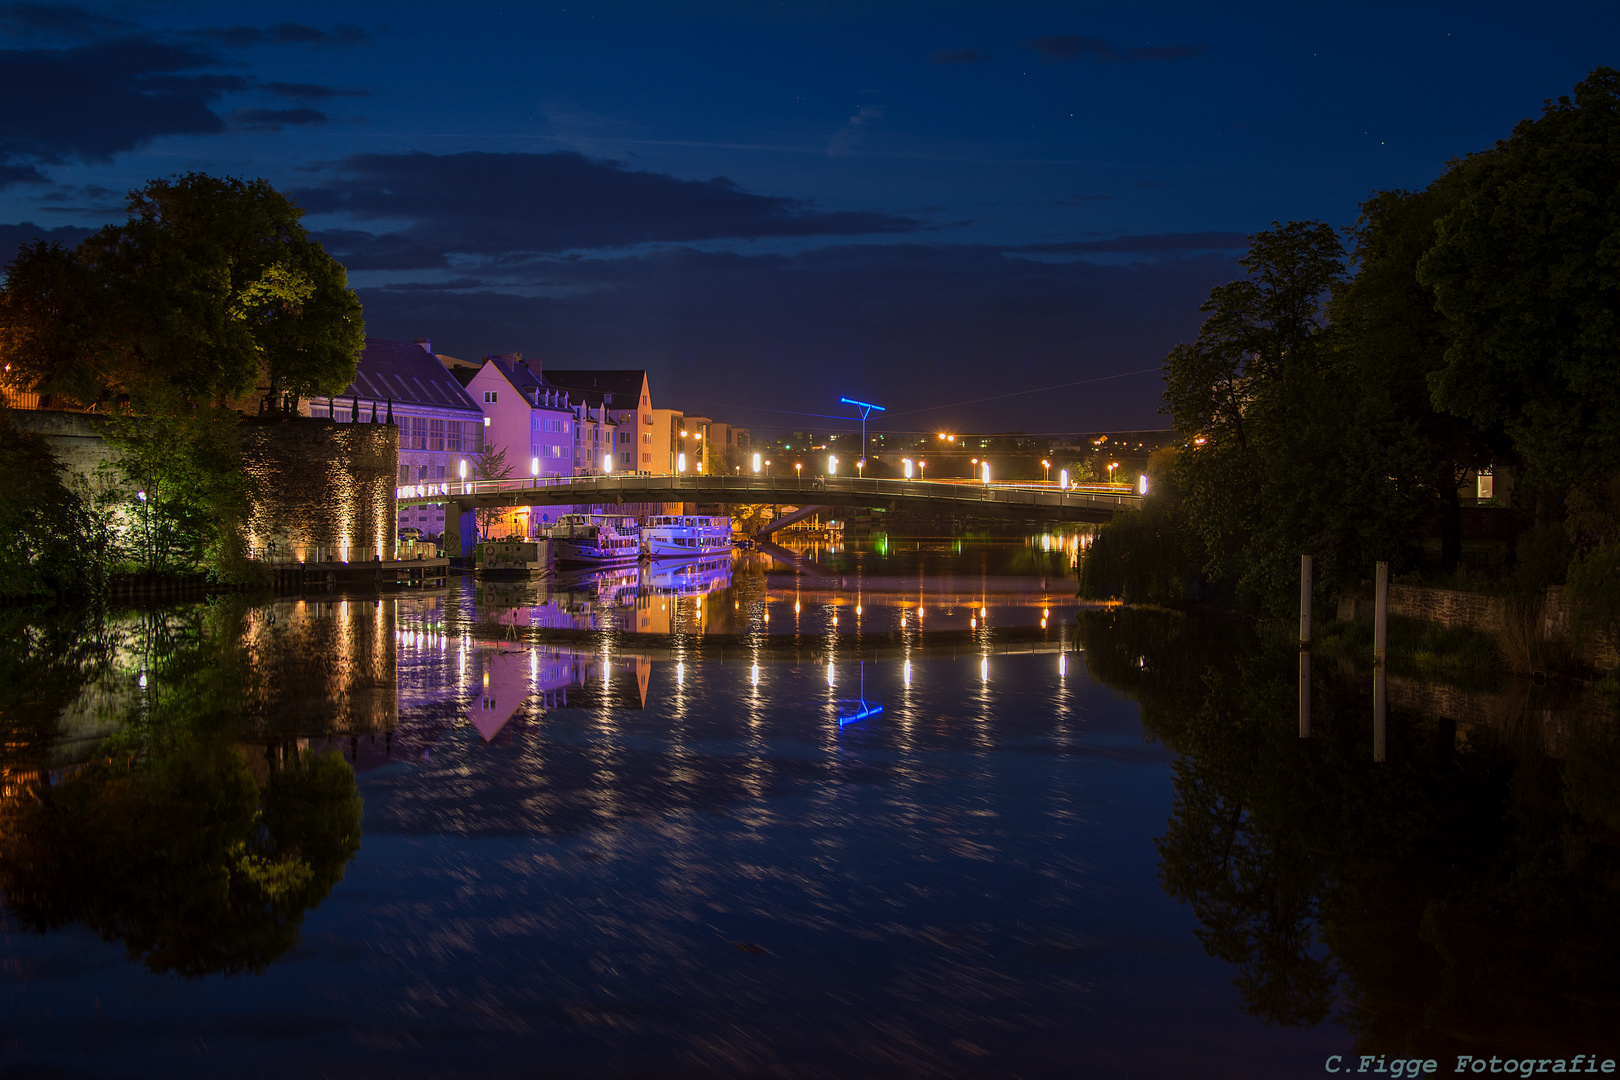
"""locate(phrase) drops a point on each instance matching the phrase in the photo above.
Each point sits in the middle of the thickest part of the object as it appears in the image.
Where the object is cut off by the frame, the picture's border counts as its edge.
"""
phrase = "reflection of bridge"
(1027, 502)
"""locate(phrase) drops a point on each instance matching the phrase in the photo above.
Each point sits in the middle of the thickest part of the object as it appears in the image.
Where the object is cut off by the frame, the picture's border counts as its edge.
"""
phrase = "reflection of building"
(321, 668)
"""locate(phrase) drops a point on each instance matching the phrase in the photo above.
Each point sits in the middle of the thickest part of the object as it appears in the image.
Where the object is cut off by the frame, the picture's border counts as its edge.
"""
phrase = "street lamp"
(146, 525)
(607, 463)
(908, 467)
(680, 461)
(1063, 479)
(867, 408)
(920, 466)
(860, 467)
(1111, 467)
(756, 464)
(832, 465)
(987, 472)
(1047, 465)
(534, 466)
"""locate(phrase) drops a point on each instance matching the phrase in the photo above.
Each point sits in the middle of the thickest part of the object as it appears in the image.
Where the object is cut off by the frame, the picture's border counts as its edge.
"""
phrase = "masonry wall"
(326, 489)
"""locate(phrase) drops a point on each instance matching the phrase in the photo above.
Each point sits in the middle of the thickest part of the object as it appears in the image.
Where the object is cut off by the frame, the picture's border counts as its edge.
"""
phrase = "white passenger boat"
(686, 537)
(594, 539)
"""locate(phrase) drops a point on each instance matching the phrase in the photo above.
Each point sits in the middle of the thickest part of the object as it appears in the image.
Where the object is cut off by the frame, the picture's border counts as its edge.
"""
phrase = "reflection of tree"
(175, 857)
(164, 840)
(1459, 896)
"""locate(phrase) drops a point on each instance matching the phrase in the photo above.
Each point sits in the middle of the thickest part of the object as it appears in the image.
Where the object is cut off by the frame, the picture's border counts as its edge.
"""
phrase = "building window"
(647, 418)
(490, 396)
(646, 438)
(624, 458)
(646, 459)
(404, 474)
(419, 433)
(436, 434)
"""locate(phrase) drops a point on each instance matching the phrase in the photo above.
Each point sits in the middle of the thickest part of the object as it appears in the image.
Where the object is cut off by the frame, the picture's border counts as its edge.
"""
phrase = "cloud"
(309, 91)
(906, 324)
(285, 33)
(13, 237)
(274, 119)
(504, 207)
(35, 21)
(1061, 48)
(1151, 242)
(848, 137)
(89, 102)
(959, 56)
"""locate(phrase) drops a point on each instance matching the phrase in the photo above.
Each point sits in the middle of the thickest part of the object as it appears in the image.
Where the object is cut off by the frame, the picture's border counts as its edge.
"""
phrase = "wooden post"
(1379, 711)
(1381, 613)
(1304, 599)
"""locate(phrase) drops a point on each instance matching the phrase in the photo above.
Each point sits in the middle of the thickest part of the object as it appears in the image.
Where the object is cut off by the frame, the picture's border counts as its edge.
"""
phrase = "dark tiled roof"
(408, 375)
(625, 385)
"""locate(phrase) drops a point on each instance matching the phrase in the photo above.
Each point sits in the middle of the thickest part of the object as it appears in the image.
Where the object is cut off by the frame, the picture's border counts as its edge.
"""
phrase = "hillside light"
(756, 463)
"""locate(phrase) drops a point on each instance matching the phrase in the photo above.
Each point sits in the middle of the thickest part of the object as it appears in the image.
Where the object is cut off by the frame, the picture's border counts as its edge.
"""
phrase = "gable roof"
(624, 384)
(407, 375)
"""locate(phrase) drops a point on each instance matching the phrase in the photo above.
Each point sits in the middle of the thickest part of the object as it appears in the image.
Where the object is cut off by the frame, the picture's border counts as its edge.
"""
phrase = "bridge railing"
(789, 489)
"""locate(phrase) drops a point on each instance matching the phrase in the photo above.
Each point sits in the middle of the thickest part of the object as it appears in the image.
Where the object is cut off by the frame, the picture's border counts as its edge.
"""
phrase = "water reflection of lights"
(829, 674)
(1063, 665)
(984, 670)
(680, 673)
(905, 674)
(753, 674)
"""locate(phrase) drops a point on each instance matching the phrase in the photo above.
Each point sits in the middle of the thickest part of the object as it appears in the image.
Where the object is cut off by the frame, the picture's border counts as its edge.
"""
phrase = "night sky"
(937, 207)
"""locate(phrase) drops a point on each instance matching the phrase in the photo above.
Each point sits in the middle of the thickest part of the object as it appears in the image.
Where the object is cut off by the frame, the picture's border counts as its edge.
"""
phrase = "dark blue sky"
(928, 205)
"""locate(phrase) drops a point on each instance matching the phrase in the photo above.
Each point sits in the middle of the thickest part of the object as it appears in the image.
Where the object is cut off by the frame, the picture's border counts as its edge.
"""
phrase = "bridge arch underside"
(1019, 504)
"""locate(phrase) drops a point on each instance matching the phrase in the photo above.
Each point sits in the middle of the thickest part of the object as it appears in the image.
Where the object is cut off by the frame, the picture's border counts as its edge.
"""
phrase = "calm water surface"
(897, 809)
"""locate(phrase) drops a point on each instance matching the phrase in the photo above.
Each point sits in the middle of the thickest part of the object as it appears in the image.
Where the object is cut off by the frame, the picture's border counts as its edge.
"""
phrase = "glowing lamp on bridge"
(908, 467)
(1141, 484)
(756, 463)
(1063, 479)
(462, 469)
(680, 461)
(607, 463)
(987, 472)
(832, 465)
(534, 466)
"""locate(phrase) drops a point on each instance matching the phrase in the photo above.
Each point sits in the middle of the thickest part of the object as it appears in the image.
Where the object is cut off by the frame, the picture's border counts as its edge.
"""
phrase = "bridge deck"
(1046, 502)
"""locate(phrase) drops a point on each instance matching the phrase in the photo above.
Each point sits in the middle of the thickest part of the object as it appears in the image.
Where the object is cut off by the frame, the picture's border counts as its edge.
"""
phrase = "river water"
(899, 808)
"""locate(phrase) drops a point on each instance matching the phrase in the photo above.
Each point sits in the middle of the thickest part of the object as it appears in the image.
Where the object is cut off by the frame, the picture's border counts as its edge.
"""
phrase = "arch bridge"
(1095, 503)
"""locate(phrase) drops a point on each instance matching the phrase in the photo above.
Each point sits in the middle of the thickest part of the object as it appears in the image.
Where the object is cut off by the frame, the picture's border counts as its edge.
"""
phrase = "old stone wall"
(74, 437)
(326, 489)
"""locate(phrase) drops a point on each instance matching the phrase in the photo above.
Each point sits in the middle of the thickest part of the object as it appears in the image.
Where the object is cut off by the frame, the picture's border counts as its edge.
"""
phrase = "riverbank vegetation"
(208, 300)
(1340, 393)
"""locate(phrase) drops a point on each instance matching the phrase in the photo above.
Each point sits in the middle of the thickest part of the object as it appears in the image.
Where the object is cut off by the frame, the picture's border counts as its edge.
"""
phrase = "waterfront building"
(617, 416)
(440, 425)
(665, 440)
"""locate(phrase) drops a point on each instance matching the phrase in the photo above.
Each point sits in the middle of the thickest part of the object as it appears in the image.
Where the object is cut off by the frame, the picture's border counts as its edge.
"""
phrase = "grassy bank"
(1457, 656)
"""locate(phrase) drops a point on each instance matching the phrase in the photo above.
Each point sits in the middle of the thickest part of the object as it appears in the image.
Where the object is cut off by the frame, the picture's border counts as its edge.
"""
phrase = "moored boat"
(687, 536)
(594, 539)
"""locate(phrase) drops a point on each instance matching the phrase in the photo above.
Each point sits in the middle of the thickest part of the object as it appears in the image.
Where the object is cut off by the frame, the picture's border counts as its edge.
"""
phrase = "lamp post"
(867, 408)
(146, 525)
(860, 467)
(798, 471)
(832, 465)
(908, 467)
(920, 466)
(1047, 465)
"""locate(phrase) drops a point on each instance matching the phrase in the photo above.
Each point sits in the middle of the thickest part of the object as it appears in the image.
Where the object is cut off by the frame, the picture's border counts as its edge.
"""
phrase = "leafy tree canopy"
(210, 283)
(1526, 270)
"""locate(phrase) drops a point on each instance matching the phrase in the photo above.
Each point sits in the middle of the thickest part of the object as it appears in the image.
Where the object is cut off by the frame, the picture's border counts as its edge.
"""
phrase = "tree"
(1525, 271)
(210, 283)
(1387, 339)
(491, 464)
(43, 521)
